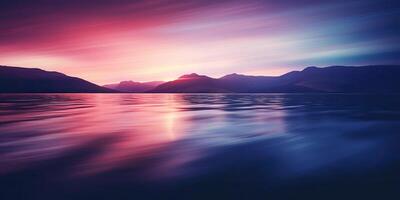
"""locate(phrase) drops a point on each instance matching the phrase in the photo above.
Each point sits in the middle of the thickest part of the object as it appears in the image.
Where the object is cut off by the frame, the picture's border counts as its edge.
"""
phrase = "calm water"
(199, 146)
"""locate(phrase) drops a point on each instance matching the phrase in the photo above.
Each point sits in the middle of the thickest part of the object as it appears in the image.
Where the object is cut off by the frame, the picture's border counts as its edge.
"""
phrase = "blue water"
(199, 146)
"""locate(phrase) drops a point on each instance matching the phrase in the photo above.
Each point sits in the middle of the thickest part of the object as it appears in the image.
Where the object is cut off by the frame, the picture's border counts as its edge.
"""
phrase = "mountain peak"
(310, 68)
(233, 75)
(128, 82)
(192, 76)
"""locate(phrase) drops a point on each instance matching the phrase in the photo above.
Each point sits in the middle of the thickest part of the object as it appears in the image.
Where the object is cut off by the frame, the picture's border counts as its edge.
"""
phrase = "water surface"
(199, 146)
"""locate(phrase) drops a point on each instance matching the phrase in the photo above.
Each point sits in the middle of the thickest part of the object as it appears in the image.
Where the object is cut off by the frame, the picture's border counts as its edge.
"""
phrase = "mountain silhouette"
(191, 83)
(33, 80)
(132, 86)
(333, 79)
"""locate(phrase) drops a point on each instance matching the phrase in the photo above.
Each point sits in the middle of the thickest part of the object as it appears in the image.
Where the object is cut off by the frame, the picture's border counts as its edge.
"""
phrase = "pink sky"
(160, 41)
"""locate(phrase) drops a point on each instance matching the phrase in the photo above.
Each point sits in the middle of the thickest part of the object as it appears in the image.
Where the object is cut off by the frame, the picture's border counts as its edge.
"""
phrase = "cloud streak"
(108, 41)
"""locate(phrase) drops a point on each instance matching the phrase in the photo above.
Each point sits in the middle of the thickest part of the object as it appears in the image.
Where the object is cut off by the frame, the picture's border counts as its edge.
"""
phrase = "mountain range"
(333, 79)
(33, 80)
(132, 86)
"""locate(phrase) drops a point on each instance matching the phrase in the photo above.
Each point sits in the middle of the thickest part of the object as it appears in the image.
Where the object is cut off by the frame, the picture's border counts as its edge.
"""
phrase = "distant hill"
(334, 79)
(131, 86)
(32, 80)
(191, 83)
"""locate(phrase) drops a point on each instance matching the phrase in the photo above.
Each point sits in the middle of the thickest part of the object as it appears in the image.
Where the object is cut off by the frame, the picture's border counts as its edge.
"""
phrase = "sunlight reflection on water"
(270, 138)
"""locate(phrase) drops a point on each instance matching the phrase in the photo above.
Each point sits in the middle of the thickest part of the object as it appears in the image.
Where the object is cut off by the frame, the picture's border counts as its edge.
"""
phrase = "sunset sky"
(108, 41)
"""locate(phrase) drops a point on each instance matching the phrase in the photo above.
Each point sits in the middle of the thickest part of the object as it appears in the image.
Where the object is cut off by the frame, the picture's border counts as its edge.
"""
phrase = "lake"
(199, 146)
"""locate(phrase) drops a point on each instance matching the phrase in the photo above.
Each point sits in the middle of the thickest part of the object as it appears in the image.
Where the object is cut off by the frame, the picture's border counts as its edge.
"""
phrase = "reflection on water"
(186, 146)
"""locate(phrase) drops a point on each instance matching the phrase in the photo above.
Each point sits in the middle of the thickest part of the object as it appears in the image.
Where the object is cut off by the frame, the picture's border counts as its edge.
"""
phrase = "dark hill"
(191, 83)
(334, 79)
(132, 86)
(32, 80)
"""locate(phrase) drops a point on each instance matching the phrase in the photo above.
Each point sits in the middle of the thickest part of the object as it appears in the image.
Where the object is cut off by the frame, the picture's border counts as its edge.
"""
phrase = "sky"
(108, 41)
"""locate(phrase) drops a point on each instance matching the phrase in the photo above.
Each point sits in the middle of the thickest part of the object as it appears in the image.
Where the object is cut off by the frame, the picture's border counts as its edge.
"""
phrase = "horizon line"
(190, 73)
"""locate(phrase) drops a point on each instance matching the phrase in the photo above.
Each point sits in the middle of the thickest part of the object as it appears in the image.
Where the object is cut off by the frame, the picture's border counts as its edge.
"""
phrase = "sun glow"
(144, 41)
